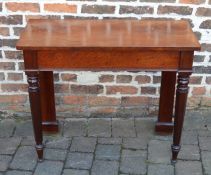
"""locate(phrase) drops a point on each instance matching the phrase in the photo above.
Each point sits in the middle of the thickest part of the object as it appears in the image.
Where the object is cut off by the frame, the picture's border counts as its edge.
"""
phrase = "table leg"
(167, 91)
(181, 98)
(49, 122)
(34, 98)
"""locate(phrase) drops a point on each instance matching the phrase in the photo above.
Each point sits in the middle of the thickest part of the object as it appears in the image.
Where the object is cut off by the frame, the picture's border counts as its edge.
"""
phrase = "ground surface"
(100, 146)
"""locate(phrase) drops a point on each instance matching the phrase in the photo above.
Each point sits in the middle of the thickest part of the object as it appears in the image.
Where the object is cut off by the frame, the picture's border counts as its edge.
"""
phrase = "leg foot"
(39, 149)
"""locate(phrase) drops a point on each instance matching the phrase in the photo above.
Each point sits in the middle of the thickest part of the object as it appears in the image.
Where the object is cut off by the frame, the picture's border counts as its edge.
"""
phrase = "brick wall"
(102, 92)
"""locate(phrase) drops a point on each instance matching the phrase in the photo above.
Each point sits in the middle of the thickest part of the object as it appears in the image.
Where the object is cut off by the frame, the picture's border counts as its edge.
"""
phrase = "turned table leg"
(181, 98)
(34, 97)
(48, 112)
(166, 105)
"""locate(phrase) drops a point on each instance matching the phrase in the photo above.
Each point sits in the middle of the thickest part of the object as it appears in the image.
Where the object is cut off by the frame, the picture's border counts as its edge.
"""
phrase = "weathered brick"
(15, 76)
(143, 79)
(198, 58)
(136, 9)
(199, 90)
(134, 101)
(106, 78)
(208, 80)
(11, 54)
(180, 10)
(11, 19)
(195, 79)
(2, 77)
(7, 66)
(14, 7)
(14, 99)
(202, 70)
(201, 11)
(123, 78)
(86, 89)
(9, 42)
(192, 1)
(68, 77)
(14, 87)
(98, 9)
(103, 101)
(17, 30)
(205, 24)
(4, 31)
(62, 88)
(121, 90)
(66, 8)
(148, 90)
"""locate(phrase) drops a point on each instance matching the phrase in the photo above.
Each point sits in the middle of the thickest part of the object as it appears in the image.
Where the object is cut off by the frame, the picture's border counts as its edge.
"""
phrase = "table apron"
(108, 60)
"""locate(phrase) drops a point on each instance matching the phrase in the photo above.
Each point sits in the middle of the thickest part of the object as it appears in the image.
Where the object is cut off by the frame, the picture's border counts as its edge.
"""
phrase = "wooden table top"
(51, 34)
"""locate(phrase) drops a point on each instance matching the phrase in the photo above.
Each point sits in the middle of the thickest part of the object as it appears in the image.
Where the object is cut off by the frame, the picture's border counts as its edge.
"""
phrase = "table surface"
(51, 34)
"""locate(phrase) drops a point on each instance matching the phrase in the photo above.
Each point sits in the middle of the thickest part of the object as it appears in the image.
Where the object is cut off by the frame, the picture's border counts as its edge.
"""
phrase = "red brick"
(103, 101)
(86, 89)
(102, 110)
(194, 102)
(143, 79)
(62, 88)
(14, 99)
(11, 19)
(74, 100)
(123, 78)
(201, 11)
(199, 90)
(14, 7)
(66, 8)
(15, 76)
(206, 101)
(121, 90)
(192, 1)
(68, 77)
(134, 101)
(106, 78)
(14, 87)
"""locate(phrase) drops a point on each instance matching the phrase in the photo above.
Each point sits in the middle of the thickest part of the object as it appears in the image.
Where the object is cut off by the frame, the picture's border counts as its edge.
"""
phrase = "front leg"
(181, 99)
(34, 98)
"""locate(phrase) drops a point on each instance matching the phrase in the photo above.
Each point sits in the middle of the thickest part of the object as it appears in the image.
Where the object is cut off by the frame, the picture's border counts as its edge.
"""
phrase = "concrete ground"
(105, 146)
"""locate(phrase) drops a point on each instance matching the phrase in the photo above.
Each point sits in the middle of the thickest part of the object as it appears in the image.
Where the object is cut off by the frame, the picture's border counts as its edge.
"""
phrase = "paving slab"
(136, 143)
(108, 152)
(58, 143)
(75, 128)
(189, 152)
(15, 172)
(9, 145)
(79, 160)
(206, 161)
(205, 143)
(75, 172)
(144, 127)
(49, 168)
(99, 127)
(7, 127)
(102, 167)
(160, 169)
(110, 141)
(55, 154)
(189, 138)
(133, 162)
(25, 158)
(123, 128)
(159, 151)
(188, 167)
(83, 144)
(4, 162)
(24, 128)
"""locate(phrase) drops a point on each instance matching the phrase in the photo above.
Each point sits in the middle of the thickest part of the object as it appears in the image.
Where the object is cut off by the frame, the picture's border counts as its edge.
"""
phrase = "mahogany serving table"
(132, 45)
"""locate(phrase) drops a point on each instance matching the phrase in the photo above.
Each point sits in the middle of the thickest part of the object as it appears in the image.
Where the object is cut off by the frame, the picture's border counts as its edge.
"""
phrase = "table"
(132, 45)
